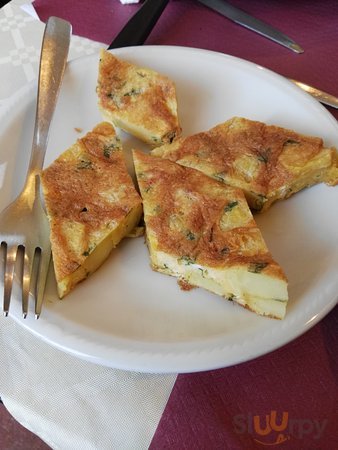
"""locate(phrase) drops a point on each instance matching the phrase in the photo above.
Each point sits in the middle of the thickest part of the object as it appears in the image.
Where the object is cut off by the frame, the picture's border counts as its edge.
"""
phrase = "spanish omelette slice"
(91, 204)
(202, 232)
(267, 162)
(138, 100)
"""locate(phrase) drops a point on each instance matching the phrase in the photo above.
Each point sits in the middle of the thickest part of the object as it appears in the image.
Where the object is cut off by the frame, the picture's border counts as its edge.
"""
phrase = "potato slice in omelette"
(137, 100)
(268, 162)
(203, 232)
(91, 204)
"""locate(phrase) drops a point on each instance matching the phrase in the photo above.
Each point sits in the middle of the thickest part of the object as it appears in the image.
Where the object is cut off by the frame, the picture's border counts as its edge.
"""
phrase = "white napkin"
(71, 404)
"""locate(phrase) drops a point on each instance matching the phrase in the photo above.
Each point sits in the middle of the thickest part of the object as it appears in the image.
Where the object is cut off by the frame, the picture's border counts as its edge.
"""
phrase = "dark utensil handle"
(3, 3)
(138, 28)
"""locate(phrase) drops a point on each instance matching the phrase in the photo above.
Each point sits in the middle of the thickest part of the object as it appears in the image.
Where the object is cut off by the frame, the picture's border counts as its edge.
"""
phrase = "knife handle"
(138, 28)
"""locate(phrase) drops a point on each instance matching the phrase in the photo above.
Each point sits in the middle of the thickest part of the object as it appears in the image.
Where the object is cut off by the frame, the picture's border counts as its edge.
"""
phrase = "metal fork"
(24, 228)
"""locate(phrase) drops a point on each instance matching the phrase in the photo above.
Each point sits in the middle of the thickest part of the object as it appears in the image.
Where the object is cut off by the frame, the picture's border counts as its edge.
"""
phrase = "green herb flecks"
(141, 176)
(109, 149)
(257, 267)
(89, 250)
(156, 140)
(259, 202)
(220, 176)
(115, 99)
(133, 92)
(204, 272)
(190, 236)
(186, 260)
(169, 137)
(230, 206)
(264, 155)
(290, 142)
(85, 164)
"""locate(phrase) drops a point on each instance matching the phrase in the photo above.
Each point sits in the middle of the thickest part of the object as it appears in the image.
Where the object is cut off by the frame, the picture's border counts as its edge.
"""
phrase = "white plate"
(127, 316)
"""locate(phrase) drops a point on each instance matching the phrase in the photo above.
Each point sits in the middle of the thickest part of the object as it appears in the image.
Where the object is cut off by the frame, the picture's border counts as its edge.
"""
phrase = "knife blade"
(321, 96)
(138, 28)
(242, 18)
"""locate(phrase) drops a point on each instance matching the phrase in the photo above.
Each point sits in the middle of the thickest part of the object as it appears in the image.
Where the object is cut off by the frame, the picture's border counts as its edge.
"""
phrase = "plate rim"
(182, 366)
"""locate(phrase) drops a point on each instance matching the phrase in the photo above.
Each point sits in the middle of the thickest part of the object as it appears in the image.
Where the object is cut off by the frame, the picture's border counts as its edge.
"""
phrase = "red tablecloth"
(223, 409)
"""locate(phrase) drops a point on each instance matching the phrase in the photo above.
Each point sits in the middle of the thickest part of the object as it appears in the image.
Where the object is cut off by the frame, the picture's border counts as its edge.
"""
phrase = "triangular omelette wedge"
(91, 204)
(137, 100)
(203, 232)
(267, 162)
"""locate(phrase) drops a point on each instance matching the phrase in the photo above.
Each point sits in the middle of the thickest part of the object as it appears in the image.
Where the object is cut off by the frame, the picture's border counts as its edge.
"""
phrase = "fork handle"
(138, 28)
(53, 59)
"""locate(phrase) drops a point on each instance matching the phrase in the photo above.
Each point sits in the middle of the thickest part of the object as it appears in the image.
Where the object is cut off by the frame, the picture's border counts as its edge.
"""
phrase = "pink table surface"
(216, 409)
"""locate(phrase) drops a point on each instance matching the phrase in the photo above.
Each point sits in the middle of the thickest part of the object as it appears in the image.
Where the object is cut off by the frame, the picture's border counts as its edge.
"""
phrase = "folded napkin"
(69, 403)
(72, 404)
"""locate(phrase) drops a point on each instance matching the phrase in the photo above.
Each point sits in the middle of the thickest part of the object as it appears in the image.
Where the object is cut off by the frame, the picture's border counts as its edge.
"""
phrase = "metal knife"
(145, 19)
(242, 18)
(321, 96)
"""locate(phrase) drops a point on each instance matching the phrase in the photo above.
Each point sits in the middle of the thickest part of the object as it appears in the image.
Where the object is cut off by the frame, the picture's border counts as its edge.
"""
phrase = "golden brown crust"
(199, 220)
(266, 161)
(139, 100)
(80, 189)
(185, 286)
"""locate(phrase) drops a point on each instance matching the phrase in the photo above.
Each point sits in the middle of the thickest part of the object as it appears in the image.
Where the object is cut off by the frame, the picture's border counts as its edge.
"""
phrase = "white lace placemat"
(21, 36)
